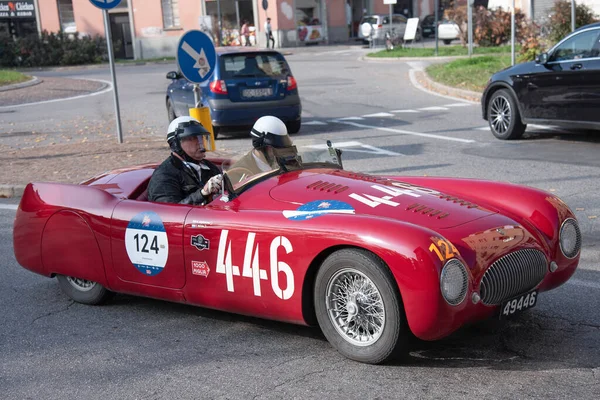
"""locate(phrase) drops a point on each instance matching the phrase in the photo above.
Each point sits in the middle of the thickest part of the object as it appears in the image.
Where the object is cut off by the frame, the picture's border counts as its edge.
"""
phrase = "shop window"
(66, 16)
(170, 12)
(233, 15)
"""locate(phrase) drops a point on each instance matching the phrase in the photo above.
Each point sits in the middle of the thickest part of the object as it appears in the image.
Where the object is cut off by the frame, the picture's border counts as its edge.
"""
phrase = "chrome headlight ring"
(569, 238)
(454, 282)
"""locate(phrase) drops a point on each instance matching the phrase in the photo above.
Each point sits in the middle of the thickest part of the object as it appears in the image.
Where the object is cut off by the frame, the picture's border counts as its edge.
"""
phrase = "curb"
(33, 81)
(431, 58)
(11, 191)
(95, 66)
(448, 90)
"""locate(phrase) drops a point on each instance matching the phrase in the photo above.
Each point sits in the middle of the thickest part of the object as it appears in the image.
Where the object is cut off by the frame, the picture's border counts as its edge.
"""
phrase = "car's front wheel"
(503, 116)
(447, 41)
(294, 126)
(359, 308)
(83, 291)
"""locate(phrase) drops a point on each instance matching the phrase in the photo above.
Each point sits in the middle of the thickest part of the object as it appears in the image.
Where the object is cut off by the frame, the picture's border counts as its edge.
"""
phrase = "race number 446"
(251, 265)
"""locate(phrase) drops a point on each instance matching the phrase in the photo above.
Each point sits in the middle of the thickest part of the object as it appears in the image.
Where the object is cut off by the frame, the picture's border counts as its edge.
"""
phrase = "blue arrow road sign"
(105, 4)
(196, 56)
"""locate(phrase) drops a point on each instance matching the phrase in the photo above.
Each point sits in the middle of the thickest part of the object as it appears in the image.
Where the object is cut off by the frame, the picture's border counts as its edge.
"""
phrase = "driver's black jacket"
(175, 182)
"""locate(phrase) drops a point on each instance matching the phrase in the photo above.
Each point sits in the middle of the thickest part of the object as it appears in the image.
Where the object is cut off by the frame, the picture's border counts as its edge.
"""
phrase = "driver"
(272, 148)
(185, 177)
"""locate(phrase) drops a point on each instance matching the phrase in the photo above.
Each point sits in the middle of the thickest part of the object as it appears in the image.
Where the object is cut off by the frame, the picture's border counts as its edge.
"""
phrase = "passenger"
(272, 146)
(185, 177)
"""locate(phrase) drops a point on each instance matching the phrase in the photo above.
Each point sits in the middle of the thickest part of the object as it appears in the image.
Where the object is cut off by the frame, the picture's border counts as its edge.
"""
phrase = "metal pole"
(470, 27)
(512, 34)
(435, 25)
(573, 15)
(219, 22)
(197, 103)
(112, 73)
(390, 21)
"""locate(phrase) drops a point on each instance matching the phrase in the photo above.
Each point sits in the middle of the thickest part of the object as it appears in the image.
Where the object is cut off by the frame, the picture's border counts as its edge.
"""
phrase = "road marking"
(579, 282)
(458, 105)
(428, 135)
(435, 108)
(314, 123)
(483, 128)
(381, 114)
(404, 111)
(348, 147)
(350, 119)
(9, 206)
(105, 90)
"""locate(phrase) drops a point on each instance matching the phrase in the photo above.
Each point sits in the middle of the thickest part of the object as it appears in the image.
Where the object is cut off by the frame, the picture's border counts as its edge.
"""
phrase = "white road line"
(381, 114)
(415, 83)
(362, 148)
(458, 105)
(483, 128)
(428, 135)
(350, 119)
(435, 108)
(9, 206)
(579, 282)
(108, 89)
(314, 123)
(404, 111)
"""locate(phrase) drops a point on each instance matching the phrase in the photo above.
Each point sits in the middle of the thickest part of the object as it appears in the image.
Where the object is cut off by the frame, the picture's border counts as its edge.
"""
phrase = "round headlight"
(570, 238)
(454, 281)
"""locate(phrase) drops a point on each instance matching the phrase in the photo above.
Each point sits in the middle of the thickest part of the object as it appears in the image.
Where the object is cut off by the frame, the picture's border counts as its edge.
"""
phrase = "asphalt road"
(136, 348)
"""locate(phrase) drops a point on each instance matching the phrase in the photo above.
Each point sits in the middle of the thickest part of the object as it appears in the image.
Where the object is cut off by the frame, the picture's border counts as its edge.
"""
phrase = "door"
(147, 243)
(554, 91)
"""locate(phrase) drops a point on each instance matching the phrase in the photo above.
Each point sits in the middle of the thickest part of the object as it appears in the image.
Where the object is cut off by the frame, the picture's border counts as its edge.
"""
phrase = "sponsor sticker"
(200, 268)
(200, 242)
(146, 243)
(318, 208)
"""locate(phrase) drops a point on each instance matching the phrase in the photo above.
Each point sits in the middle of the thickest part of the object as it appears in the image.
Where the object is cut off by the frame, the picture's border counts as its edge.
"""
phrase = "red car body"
(247, 256)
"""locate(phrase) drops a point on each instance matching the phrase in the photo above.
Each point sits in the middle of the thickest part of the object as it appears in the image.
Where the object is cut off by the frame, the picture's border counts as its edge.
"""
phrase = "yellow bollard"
(202, 114)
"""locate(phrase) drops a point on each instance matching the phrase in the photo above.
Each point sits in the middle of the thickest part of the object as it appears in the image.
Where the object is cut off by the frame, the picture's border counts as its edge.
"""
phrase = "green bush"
(52, 49)
(560, 20)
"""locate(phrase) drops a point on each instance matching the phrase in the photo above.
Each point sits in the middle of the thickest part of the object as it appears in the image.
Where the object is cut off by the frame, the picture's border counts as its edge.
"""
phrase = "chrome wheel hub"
(355, 307)
(81, 284)
(500, 114)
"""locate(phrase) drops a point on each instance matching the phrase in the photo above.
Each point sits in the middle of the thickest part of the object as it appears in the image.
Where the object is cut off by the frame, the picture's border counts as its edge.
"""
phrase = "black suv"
(560, 88)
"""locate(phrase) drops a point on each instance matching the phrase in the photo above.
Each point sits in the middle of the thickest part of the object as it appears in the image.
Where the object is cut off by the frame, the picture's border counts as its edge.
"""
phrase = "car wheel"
(170, 110)
(294, 126)
(216, 131)
(447, 41)
(503, 116)
(359, 308)
(84, 291)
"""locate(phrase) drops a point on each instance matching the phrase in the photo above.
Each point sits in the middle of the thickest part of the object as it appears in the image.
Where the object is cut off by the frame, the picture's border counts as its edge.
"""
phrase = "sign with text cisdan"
(17, 9)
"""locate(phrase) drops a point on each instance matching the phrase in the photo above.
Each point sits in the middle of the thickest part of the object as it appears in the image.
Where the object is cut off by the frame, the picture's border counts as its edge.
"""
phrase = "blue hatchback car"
(246, 85)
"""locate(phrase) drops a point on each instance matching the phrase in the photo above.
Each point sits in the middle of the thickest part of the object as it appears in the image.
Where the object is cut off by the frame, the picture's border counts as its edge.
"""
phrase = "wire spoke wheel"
(81, 284)
(355, 307)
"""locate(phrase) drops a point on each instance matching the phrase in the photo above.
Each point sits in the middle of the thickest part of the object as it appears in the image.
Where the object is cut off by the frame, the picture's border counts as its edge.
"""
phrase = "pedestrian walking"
(246, 33)
(269, 33)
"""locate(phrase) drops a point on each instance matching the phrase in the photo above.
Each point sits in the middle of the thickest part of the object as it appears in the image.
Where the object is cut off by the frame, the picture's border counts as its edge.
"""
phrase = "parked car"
(428, 25)
(374, 27)
(559, 88)
(246, 85)
(370, 259)
(448, 31)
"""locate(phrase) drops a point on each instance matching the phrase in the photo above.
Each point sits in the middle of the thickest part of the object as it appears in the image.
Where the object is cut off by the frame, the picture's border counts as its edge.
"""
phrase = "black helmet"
(182, 128)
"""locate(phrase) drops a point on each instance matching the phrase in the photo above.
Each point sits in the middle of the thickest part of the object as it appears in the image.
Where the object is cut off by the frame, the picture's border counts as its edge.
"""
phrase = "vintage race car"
(367, 258)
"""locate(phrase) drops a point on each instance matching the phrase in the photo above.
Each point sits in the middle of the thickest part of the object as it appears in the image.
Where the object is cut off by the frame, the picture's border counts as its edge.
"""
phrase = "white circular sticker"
(146, 243)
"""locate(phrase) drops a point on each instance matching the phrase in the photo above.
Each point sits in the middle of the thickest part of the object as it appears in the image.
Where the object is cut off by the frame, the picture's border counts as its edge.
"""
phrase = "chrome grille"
(513, 274)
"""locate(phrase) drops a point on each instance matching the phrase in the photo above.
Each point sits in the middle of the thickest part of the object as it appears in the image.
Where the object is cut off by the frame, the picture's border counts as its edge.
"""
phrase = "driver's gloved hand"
(213, 185)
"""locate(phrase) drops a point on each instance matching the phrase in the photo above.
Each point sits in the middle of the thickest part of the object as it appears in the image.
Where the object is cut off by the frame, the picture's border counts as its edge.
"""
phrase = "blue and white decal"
(146, 243)
(318, 208)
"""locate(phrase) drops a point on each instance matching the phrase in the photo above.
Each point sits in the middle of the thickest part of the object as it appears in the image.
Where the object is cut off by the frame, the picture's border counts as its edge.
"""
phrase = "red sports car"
(367, 258)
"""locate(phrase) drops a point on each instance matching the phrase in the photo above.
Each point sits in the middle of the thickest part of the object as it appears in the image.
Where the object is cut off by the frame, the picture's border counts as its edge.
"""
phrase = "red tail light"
(291, 83)
(380, 26)
(218, 87)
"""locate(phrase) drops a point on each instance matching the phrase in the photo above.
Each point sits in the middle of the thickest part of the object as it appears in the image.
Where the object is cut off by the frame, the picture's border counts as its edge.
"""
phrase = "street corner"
(31, 82)
(421, 80)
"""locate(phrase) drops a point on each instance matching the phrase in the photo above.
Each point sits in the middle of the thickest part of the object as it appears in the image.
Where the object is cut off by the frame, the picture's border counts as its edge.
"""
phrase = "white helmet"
(184, 127)
(270, 131)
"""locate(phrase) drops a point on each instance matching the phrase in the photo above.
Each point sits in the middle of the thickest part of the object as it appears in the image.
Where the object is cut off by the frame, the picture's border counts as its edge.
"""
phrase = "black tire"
(216, 131)
(83, 291)
(447, 41)
(503, 116)
(170, 110)
(392, 338)
(294, 126)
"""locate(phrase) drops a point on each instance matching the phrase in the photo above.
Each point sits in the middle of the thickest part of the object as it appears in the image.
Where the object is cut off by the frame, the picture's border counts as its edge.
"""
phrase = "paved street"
(136, 348)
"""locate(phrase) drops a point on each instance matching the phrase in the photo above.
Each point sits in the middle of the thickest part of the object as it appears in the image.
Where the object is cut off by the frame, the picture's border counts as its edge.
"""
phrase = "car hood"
(352, 193)
(517, 69)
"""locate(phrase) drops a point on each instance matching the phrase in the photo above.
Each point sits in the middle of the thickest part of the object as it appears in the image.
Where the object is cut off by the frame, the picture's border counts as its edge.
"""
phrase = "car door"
(589, 101)
(147, 243)
(553, 91)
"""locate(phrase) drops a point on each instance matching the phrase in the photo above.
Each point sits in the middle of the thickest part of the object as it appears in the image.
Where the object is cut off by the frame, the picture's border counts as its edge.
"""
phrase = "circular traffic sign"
(105, 4)
(265, 4)
(196, 56)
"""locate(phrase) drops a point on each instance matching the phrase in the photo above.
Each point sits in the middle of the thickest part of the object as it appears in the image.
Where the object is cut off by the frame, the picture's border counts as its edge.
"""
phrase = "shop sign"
(310, 33)
(17, 9)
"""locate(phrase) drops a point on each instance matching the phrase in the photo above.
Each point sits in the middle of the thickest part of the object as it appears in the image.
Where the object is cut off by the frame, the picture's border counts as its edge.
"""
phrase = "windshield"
(253, 65)
(246, 170)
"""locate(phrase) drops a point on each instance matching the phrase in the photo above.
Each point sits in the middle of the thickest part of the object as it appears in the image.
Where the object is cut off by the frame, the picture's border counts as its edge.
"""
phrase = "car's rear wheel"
(294, 126)
(503, 116)
(447, 41)
(170, 110)
(359, 308)
(84, 291)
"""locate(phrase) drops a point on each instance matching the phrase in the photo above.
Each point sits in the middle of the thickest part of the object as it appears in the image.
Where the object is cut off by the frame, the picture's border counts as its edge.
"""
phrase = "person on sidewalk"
(185, 177)
(269, 33)
(272, 149)
(246, 33)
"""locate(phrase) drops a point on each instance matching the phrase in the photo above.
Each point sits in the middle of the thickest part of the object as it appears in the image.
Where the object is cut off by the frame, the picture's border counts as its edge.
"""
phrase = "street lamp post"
(572, 15)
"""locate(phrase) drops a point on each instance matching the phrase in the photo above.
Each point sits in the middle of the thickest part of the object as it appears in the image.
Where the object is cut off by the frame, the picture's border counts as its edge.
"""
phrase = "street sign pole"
(391, 20)
(113, 75)
(572, 15)
(435, 24)
(512, 34)
(470, 27)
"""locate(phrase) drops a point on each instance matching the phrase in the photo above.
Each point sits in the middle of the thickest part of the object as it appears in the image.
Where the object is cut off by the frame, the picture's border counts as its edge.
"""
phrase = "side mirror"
(541, 58)
(173, 75)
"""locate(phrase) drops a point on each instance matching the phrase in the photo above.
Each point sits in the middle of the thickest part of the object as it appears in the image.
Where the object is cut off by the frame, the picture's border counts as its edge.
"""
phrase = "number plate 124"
(520, 303)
